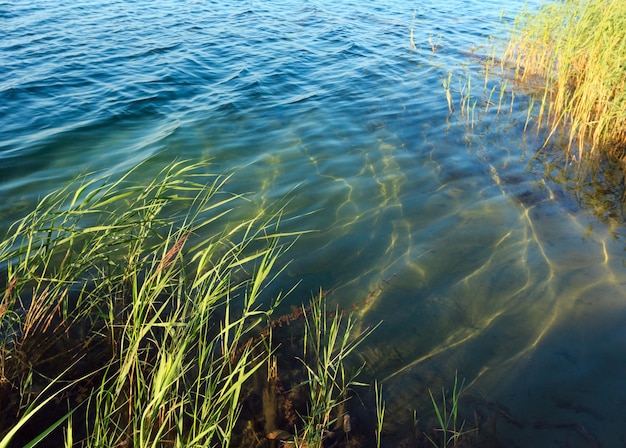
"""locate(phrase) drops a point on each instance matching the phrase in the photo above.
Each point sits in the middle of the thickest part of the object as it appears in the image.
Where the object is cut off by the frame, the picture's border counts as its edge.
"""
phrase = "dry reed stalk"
(8, 292)
(40, 314)
(166, 261)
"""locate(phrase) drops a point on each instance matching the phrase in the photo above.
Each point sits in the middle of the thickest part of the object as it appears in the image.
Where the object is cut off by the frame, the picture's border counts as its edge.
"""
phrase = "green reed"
(451, 429)
(328, 341)
(380, 413)
(137, 314)
(574, 52)
(118, 314)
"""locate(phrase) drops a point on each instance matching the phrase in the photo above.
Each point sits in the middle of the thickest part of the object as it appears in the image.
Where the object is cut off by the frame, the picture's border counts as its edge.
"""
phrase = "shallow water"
(433, 223)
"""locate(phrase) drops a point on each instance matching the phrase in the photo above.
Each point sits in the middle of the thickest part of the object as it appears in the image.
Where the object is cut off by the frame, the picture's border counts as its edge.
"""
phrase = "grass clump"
(574, 52)
(122, 323)
(447, 413)
(327, 344)
(136, 315)
(141, 315)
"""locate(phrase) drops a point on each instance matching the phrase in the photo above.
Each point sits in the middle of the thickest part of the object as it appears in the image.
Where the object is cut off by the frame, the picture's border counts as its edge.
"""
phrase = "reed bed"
(137, 315)
(140, 315)
(574, 53)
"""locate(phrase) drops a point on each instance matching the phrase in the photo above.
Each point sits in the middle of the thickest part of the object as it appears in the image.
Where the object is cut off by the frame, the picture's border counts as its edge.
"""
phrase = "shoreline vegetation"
(567, 60)
(570, 58)
(136, 315)
(572, 54)
(121, 326)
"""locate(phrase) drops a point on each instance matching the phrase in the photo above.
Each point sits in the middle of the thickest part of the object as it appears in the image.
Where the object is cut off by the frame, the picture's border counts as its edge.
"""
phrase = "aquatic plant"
(138, 315)
(451, 429)
(124, 322)
(579, 146)
(380, 413)
(574, 55)
(327, 344)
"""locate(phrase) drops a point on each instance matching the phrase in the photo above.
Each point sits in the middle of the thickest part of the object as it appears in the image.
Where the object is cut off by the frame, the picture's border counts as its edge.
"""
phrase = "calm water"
(474, 262)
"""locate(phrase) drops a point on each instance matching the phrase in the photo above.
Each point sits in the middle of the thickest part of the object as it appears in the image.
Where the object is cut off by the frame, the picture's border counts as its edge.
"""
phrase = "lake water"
(475, 260)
